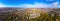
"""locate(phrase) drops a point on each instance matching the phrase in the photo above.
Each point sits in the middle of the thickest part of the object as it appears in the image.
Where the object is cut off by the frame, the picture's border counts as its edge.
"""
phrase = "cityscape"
(29, 10)
(29, 14)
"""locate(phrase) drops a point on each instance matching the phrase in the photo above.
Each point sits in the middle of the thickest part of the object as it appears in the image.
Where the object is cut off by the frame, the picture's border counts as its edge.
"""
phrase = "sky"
(30, 3)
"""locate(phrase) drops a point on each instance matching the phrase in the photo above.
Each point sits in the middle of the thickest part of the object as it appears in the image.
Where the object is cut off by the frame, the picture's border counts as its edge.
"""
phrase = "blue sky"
(30, 3)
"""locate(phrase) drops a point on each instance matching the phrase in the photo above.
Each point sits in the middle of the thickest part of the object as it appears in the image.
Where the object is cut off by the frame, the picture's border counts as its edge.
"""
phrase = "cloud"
(49, 0)
(55, 4)
(40, 5)
(1, 5)
(35, 5)
(26, 5)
